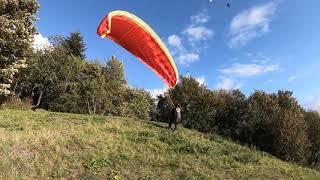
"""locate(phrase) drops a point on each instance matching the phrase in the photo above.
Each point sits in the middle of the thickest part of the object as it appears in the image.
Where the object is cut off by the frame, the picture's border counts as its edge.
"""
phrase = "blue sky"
(268, 45)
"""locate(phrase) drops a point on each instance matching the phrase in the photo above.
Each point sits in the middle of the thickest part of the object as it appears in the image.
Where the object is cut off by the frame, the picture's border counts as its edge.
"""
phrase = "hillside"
(55, 145)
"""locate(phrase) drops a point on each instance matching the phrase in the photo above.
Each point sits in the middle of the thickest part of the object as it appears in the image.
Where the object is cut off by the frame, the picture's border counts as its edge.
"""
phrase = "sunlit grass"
(42, 144)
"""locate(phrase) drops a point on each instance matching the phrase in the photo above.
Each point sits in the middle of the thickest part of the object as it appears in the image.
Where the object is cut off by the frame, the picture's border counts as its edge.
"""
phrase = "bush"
(137, 104)
(275, 124)
(69, 83)
(162, 111)
(312, 119)
(196, 102)
(210, 111)
(230, 111)
(16, 103)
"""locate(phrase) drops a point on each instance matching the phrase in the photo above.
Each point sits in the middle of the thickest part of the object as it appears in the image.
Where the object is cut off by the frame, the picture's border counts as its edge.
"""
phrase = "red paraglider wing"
(138, 38)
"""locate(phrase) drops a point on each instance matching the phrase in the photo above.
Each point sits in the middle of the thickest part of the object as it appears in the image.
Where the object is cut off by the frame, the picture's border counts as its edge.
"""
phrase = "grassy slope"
(43, 144)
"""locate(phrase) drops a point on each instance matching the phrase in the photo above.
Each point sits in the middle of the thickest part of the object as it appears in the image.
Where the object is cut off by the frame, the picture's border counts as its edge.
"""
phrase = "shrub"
(230, 111)
(197, 104)
(136, 105)
(16, 103)
(312, 119)
(275, 124)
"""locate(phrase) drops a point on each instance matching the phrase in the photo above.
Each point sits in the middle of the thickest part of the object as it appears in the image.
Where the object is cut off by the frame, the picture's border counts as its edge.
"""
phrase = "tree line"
(274, 123)
(60, 78)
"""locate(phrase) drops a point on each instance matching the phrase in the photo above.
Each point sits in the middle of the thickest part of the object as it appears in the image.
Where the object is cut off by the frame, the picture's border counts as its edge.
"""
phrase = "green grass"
(45, 145)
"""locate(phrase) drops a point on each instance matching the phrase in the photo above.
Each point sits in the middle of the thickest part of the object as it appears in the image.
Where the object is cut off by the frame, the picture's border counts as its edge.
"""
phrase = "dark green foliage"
(58, 73)
(17, 28)
(115, 72)
(136, 104)
(313, 123)
(209, 111)
(71, 84)
(230, 111)
(162, 111)
(275, 123)
(196, 102)
(75, 45)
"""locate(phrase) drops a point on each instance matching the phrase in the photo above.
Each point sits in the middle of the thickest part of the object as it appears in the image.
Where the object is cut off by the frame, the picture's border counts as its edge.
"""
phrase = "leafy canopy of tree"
(313, 124)
(75, 45)
(274, 123)
(69, 83)
(16, 34)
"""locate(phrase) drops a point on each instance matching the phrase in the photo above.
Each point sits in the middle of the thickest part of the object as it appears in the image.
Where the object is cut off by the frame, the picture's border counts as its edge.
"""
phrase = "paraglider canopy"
(139, 39)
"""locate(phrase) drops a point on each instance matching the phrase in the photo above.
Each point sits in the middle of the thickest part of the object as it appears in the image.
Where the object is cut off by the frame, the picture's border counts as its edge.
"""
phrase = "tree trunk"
(88, 106)
(38, 101)
(94, 105)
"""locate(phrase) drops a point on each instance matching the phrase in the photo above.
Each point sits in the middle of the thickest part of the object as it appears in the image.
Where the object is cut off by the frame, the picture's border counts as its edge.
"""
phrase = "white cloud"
(183, 56)
(40, 42)
(155, 92)
(200, 18)
(314, 103)
(201, 80)
(188, 58)
(228, 83)
(251, 23)
(186, 46)
(235, 74)
(175, 41)
(246, 70)
(198, 33)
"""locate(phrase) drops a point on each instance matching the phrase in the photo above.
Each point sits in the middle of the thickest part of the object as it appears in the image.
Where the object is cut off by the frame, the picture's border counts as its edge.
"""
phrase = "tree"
(210, 111)
(116, 85)
(312, 119)
(292, 139)
(163, 109)
(197, 104)
(136, 104)
(275, 124)
(75, 45)
(230, 108)
(58, 73)
(93, 90)
(115, 71)
(16, 34)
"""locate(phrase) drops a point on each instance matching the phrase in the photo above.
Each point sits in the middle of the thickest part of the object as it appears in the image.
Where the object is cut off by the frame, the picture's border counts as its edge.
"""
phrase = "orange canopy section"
(139, 39)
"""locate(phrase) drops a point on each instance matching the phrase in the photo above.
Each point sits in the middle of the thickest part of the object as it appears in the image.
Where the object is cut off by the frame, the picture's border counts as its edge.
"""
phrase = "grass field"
(41, 145)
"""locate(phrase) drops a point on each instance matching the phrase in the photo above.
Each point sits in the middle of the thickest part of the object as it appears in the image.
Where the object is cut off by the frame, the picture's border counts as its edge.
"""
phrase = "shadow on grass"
(158, 124)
